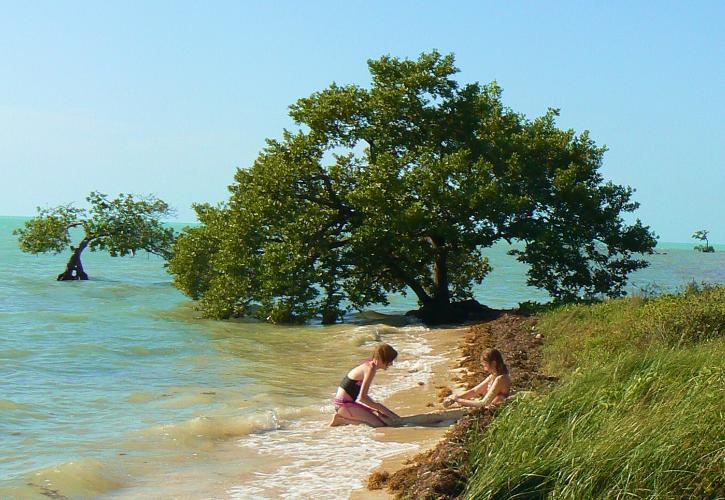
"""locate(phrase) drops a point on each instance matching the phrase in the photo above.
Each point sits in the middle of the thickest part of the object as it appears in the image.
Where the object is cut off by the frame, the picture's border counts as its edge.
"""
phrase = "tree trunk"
(438, 308)
(441, 295)
(74, 267)
(330, 312)
(329, 316)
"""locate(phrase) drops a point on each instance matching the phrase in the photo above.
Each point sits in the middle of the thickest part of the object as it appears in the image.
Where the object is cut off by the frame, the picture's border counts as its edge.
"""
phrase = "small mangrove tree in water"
(702, 236)
(400, 188)
(120, 226)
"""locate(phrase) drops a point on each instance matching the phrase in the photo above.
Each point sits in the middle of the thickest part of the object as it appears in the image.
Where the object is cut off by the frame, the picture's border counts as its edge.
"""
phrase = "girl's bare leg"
(338, 420)
(357, 415)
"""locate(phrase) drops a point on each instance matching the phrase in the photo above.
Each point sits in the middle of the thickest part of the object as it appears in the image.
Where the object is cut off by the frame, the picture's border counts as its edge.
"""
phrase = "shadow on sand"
(433, 419)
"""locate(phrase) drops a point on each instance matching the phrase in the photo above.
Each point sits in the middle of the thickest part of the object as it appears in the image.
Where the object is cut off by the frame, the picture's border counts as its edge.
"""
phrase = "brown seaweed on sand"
(442, 472)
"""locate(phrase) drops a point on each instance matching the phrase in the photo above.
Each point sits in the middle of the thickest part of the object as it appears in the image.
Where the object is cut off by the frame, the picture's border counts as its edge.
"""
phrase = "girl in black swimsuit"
(352, 403)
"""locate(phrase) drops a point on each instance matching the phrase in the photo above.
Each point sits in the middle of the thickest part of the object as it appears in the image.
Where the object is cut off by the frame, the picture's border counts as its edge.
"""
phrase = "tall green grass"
(640, 412)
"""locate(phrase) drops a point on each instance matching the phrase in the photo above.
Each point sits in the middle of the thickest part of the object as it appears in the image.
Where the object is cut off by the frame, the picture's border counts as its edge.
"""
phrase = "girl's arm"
(496, 388)
(476, 391)
(479, 389)
(368, 375)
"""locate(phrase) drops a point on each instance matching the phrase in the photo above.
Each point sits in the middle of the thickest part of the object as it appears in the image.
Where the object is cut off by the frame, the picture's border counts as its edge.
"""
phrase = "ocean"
(116, 388)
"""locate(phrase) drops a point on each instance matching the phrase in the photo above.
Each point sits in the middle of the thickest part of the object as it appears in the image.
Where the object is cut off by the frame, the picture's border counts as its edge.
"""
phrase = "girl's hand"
(379, 414)
(389, 420)
(394, 421)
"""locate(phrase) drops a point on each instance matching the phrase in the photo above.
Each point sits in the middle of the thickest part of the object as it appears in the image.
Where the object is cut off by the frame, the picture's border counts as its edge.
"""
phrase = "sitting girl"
(352, 403)
(496, 386)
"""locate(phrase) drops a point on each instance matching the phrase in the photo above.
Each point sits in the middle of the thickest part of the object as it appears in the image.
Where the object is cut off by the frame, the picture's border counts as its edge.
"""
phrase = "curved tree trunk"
(438, 309)
(330, 311)
(74, 267)
(441, 296)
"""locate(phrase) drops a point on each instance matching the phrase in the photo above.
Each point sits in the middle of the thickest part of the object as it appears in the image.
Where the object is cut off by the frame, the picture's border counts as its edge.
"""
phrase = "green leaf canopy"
(120, 226)
(401, 187)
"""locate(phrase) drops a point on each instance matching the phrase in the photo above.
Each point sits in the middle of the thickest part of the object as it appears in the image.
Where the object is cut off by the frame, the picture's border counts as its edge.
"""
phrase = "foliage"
(702, 235)
(639, 412)
(120, 226)
(704, 248)
(49, 230)
(532, 307)
(401, 187)
(582, 334)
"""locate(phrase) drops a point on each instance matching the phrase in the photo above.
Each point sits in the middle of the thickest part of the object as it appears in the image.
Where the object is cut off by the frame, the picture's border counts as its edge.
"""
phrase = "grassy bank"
(639, 411)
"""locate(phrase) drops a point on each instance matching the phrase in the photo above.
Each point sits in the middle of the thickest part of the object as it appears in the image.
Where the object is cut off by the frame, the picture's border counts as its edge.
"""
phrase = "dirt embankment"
(442, 471)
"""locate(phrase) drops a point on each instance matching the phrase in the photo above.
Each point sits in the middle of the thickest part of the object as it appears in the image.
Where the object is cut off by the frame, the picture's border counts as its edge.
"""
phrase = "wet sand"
(421, 399)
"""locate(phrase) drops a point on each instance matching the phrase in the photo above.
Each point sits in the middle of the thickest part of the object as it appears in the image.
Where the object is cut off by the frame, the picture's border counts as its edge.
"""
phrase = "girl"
(352, 403)
(496, 386)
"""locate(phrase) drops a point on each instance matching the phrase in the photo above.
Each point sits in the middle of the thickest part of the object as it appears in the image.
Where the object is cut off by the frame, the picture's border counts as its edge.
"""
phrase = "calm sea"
(114, 387)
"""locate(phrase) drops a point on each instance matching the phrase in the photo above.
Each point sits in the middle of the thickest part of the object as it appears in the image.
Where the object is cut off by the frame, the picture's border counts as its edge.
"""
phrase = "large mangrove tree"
(401, 187)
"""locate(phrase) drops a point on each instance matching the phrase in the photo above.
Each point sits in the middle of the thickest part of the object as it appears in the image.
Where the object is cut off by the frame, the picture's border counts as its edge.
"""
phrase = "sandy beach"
(420, 399)
(436, 469)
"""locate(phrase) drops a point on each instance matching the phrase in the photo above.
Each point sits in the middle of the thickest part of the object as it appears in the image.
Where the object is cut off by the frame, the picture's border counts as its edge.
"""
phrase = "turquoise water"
(118, 375)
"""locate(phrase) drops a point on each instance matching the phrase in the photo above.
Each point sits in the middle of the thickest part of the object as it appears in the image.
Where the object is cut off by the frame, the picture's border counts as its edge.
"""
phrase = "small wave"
(151, 351)
(362, 336)
(8, 354)
(69, 317)
(141, 397)
(199, 431)
(365, 334)
(81, 479)
(6, 404)
(88, 348)
(188, 400)
(116, 348)
(42, 316)
(318, 465)
(366, 317)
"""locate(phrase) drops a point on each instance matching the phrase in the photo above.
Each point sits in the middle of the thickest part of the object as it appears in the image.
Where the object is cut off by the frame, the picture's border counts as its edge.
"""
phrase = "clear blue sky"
(170, 97)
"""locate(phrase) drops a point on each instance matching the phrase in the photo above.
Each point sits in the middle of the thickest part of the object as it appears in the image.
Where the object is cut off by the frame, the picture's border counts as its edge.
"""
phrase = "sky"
(169, 98)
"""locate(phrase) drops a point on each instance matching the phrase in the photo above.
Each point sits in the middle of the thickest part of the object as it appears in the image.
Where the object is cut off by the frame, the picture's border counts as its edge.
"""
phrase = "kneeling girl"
(352, 403)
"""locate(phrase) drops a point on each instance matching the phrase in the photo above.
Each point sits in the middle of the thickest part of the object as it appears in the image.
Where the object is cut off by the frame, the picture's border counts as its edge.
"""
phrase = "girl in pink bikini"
(352, 403)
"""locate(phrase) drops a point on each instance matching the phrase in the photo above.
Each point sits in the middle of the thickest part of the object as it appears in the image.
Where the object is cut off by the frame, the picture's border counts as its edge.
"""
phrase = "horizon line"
(197, 222)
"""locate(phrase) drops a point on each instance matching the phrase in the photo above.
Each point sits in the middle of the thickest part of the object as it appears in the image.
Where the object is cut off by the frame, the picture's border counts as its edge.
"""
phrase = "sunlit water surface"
(114, 387)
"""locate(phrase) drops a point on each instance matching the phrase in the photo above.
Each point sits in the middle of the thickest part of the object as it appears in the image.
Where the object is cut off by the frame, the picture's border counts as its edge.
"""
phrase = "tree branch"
(74, 224)
(409, 280)
(334, 198)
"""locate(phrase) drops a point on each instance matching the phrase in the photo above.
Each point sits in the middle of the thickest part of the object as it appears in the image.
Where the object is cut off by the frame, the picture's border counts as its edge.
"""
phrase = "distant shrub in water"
(705, 248)
(702, 235)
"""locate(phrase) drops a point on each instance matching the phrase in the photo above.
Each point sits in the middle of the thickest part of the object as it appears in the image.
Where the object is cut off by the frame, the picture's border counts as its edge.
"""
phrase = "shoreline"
(445, 342)
(439, 469)
(302, 443)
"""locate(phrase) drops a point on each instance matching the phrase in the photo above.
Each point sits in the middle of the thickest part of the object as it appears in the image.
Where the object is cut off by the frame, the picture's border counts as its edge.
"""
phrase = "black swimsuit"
(351, 387)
